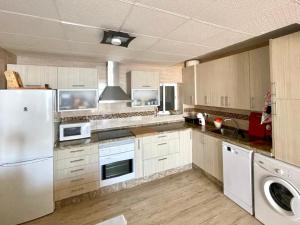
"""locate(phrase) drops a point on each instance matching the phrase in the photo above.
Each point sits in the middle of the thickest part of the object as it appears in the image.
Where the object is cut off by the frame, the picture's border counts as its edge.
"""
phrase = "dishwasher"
(237, 175)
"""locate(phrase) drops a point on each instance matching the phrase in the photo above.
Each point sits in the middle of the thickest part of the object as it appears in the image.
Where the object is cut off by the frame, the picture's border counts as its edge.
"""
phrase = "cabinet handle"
(274, 109)
(74, 151)
(162, 144)
(273, 88)
(78, 85)
(78, 170)
(162, 136)
(222, 100)
(226, 101)
(78, 189)
(252, 103)
(191, 99)
(77, 160)
(139, 144)
(205, 100)
(162, 159)
(146, 86)
(76, 180)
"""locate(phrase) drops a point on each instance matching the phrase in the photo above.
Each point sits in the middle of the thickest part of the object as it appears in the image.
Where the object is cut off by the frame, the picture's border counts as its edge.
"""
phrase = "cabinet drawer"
(155, 165)
(76, 171)
(76, 190)
(77, 152)
(167, 136)
(162, 148)
(75, 181)
(76, 161)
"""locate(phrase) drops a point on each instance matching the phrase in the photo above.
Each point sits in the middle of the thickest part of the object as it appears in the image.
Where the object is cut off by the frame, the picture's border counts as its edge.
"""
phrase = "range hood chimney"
(113, 93)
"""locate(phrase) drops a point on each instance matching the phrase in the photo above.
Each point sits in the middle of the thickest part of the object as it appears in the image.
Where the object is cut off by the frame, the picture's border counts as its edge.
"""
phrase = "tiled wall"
(5, 58)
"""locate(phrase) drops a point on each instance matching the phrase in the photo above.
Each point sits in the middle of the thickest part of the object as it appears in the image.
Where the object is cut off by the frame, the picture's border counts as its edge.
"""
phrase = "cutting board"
(143, 131)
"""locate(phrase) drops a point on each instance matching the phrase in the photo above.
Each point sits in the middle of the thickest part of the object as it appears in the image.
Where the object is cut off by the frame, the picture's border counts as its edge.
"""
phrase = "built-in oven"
(73, 131)
(116, 162)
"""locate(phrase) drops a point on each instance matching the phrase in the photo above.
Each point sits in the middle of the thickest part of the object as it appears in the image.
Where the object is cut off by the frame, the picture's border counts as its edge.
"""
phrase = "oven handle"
(115, 158)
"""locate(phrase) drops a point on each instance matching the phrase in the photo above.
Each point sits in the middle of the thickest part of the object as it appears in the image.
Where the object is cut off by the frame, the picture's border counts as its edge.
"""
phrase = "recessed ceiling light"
(116, 38)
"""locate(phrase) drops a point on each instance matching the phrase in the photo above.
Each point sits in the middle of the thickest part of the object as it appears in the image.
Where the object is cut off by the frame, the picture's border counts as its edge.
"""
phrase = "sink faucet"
(237, 127)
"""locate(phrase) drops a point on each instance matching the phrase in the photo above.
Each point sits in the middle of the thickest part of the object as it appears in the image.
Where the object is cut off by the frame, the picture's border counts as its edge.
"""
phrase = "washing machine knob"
(279, 171)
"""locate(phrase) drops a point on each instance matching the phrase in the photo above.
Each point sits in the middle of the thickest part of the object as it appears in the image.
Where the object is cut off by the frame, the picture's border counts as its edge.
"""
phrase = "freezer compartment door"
(26, 191)
(26, 127)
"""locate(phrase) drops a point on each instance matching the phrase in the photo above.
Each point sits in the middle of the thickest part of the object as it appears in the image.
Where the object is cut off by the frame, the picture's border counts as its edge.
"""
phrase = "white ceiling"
(167, 31)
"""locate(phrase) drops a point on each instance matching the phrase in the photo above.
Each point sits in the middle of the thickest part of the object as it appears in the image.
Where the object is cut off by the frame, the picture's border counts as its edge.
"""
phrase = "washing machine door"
(283, 197)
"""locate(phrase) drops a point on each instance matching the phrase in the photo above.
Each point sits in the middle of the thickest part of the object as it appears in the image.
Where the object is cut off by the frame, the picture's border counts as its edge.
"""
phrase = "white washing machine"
(276, 191)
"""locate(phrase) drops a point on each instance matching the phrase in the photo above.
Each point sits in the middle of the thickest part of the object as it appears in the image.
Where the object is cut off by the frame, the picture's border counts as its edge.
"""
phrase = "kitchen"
(107, 118)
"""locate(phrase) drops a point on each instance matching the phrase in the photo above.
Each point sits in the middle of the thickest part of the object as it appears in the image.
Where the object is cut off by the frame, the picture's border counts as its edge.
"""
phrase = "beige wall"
(168, 74)
(5, 58)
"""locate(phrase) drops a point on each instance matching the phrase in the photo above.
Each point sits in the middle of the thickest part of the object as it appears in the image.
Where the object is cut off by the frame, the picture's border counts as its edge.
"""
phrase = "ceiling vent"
(116, 38)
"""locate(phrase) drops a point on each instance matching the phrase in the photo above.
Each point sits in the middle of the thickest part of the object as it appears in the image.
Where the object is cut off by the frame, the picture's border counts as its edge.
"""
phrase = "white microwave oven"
(74, 131)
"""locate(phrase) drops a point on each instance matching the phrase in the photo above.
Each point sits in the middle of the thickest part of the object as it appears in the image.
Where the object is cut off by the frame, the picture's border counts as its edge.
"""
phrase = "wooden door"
(238, 89)
(198, 149)
(205, 83)
(144, 80)
(185, 147)
(213, 160)
(286, 131)
(285, 66)
(259, 77)
(189, 82)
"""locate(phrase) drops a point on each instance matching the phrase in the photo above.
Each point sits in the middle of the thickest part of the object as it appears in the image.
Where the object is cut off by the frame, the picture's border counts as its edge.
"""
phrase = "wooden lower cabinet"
(286, 131)
(185, 147)
(207, 154)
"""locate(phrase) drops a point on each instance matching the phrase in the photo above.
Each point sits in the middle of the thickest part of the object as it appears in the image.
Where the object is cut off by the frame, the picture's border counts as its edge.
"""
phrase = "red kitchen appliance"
(256, 129)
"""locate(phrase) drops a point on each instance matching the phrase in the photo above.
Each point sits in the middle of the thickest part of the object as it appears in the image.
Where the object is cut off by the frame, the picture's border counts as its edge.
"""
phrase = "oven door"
(116, 168)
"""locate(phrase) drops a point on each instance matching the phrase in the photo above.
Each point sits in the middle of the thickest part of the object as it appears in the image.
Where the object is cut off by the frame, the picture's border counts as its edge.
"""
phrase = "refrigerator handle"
(25, 162)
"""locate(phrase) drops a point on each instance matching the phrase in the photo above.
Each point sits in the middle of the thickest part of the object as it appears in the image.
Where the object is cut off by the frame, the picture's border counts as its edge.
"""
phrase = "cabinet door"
(285, 66)
(222, 82)
(144, 80)
(259, 77)
(213, 161)
(77, 78)
(205, 83)
(198, 149)
(138, 158)
(186, 146)
(36, 75)
(189, 82)
(238, 89)
(286, 131)
(41, 75)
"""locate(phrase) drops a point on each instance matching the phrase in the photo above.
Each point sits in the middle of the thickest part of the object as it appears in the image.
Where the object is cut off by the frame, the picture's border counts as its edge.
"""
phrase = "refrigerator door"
(26, 191)
(26, 127)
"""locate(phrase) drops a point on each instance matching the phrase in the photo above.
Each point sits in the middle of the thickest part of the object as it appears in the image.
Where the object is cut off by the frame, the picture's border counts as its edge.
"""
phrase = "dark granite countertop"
(257, 145)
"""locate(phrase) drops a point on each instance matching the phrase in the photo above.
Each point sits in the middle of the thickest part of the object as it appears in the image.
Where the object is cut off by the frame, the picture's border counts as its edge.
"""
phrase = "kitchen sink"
(232, 133)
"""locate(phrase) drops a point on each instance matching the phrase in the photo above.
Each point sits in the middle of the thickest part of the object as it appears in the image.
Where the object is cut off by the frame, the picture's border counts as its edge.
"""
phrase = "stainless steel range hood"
(113, 93)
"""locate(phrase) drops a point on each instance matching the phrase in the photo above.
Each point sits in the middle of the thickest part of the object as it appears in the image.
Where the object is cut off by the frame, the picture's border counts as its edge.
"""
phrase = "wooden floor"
(184, 199)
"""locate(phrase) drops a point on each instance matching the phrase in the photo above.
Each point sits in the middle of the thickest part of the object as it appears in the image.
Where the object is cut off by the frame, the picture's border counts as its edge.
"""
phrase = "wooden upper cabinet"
(36, 75)
(189, 85)
(259, 77)
(285, 66)
(144, 80)
(238, 93)
(77, 78)
(204, 75)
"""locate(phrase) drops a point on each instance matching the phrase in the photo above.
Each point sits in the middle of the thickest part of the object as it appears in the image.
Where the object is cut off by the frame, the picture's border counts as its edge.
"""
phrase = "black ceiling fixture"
(116, 38)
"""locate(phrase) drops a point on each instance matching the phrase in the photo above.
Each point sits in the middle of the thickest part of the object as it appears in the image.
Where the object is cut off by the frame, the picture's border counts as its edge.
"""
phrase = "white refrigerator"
(26, 155)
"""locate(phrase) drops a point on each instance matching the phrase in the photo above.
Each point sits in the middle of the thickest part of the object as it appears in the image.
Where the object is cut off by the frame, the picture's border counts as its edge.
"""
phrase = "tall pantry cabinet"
(285, 80)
